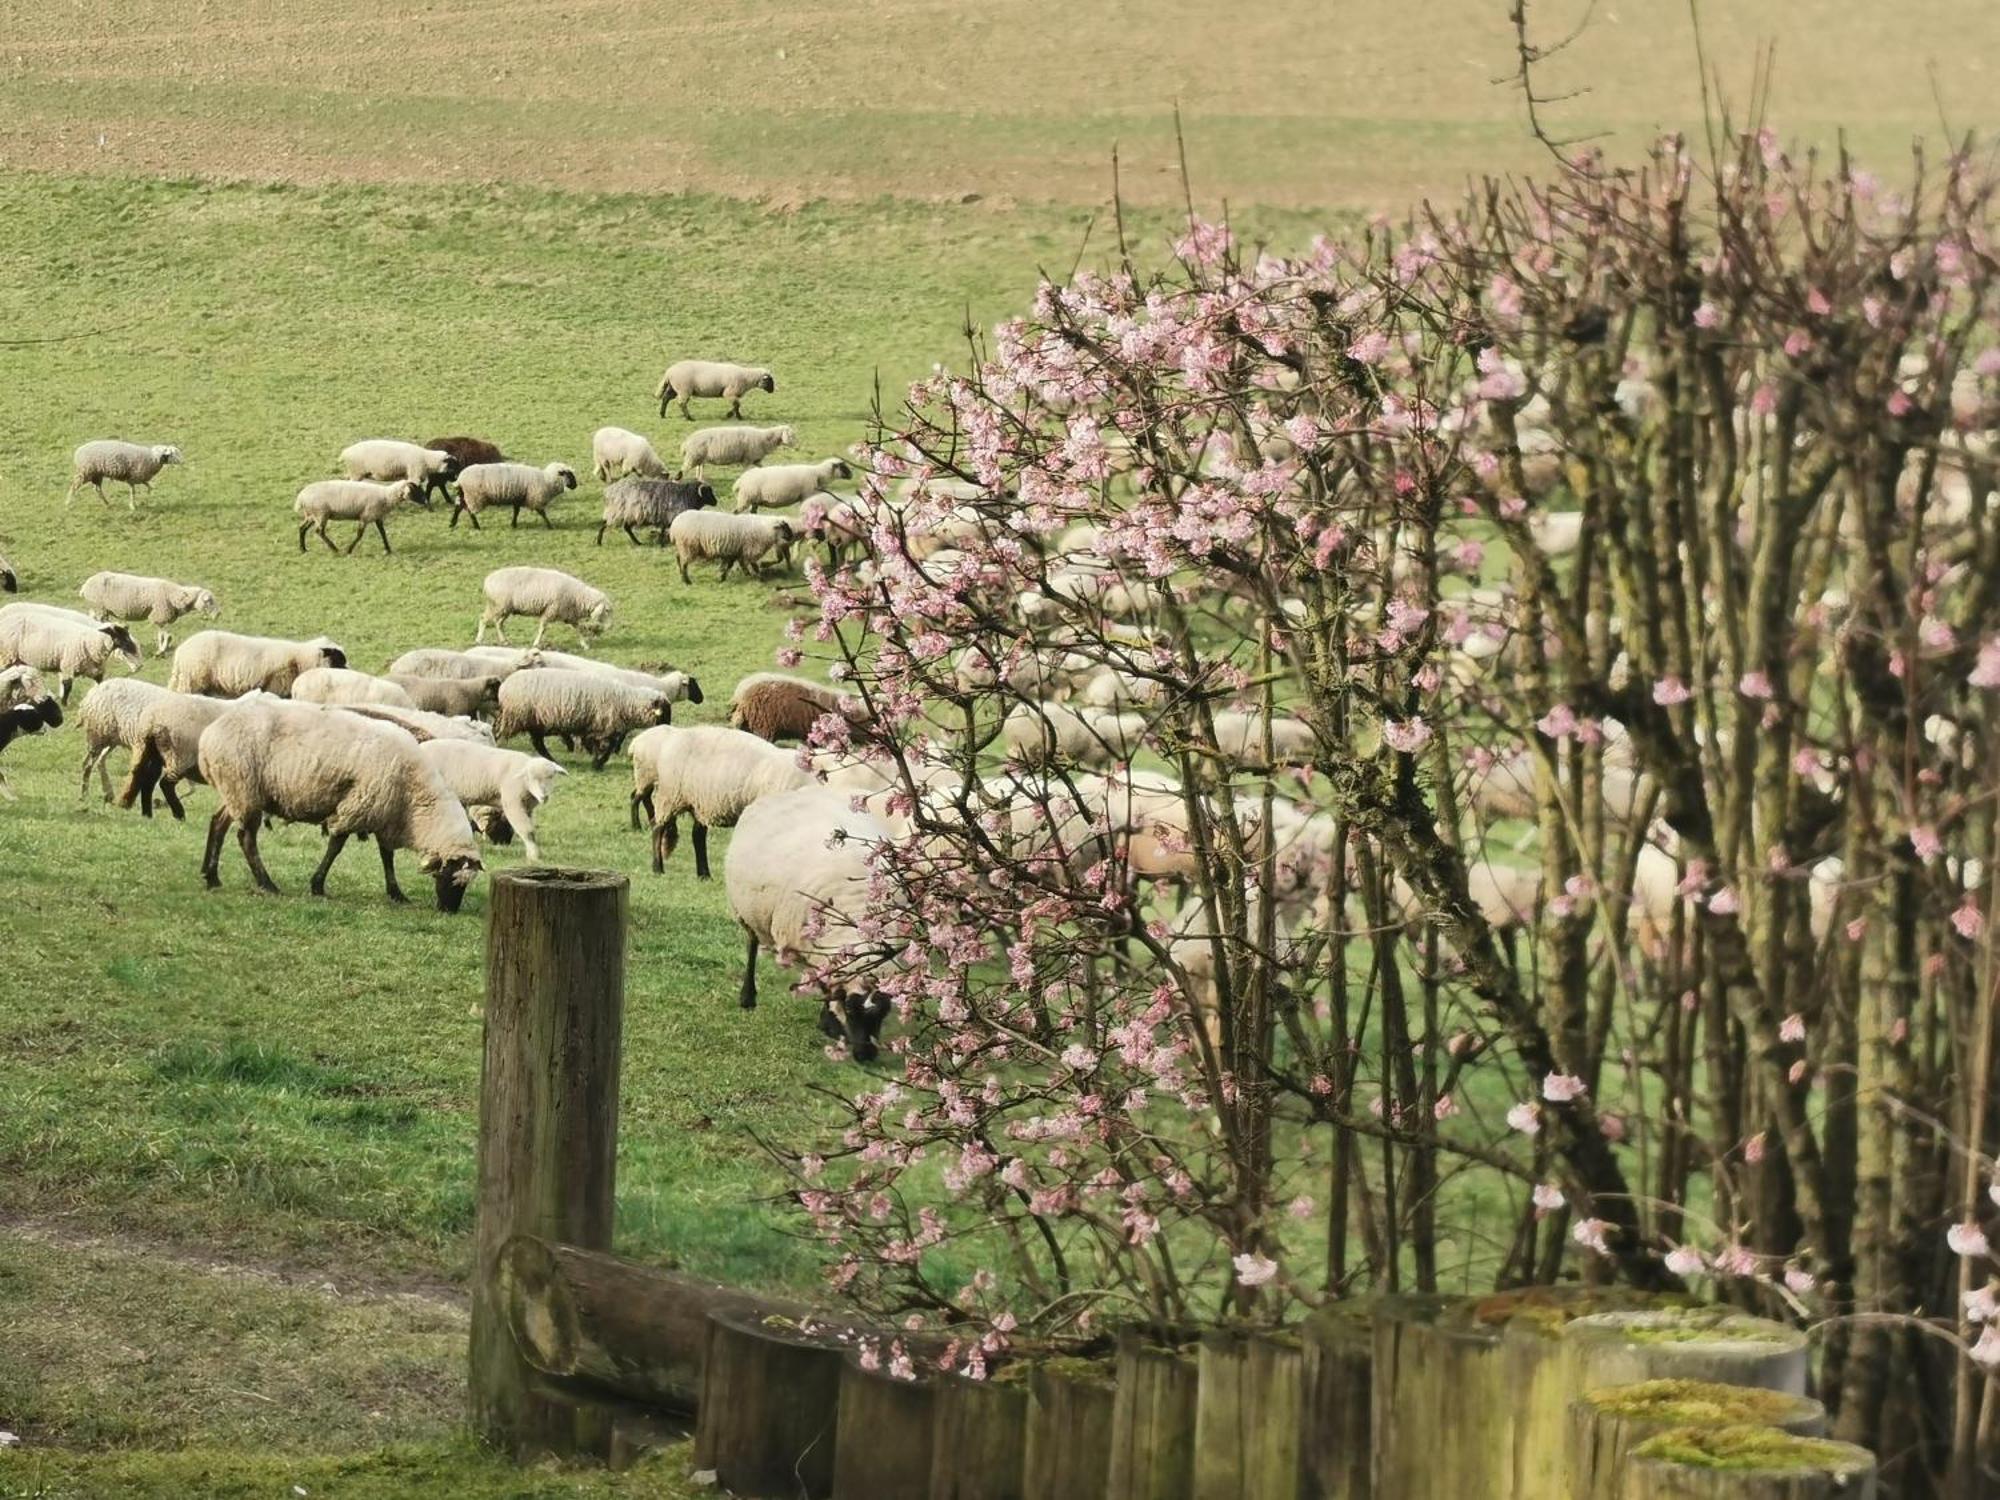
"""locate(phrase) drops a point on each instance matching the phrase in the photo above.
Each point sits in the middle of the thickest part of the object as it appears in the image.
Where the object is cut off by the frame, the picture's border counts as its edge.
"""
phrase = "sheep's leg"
(699, 838)
(686, 411)
(246, 837)
(304, 531)
(333, 847)
(633, 535)
(67, 683)
(541, 629)
(608, 749)
(76, 483)
(748, 997)
(544, 514)
(162, 640)
(7, 791)
(389, 871)
(471, 515)
(602, 526)
(93, 757)
(519, 812)
(383, 532)
(727, 564)
(131, 496)
(211, 856)
(665, 834)
(517, 514)
(541, 745)
(681, 559)
(173, 802)
(642, 800)
(98, 485)
(324, 536)
(359, 532)
(457, 508)
(736, 409)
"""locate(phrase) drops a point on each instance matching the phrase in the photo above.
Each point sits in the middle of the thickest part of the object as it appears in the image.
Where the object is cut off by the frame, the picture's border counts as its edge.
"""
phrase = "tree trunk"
(1247, 1418)
(1747, 1463)
(770, 1402)
(1153, 1422)
(1069, 1430)
(980, 1440)
(548, 1122)
(883, 1439)
(1336, 1441)
(1605, 1425)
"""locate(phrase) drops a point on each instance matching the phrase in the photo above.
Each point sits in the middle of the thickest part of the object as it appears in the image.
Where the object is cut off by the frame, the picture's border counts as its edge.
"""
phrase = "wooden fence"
(1550, 1394)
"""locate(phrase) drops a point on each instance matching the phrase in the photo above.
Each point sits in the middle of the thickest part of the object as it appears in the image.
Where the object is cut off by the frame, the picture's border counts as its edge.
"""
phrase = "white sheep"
(504, 780)
(517, 485)
(391, 459)
(786, 484)
(710, 773)
(423, 725)
(454, 697)
(112, 458)
(616, 452)
(727, 538)
(1239, 738)
(20, 685)
(166, 746)
(733, 447)
(1034, 733)
(110, 718)
(62, 641)
(446, 663)
(359, 500)
(597, 711)
(222, 664)
(675, 686)
(132, 596)
(797, 879)
(320, 766)
(711, 378)
(339, 686)
(545, 595)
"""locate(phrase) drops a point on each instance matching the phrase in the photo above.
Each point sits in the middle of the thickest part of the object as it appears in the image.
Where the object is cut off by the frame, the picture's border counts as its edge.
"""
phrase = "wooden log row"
(1607, 1425)
(1747, 1463)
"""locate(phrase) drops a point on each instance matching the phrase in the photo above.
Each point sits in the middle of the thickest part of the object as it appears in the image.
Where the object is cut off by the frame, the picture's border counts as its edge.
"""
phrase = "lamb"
(797, 879)
(775, 707)
(545, 595)
(1037, 733)
(786, 484)
(709, 378)
(733, 447)
(598, 711)
(710, 773)
(314, 765)
(358, 500)
(489, 777)
(516, 485)
(62, 641)
(110, 719)
(130, 596)
(454, 697)
(718, 536)
(339, 686)
(10, 581)
(388, 460)
(166, 744)
(25, 718)
(652, 503)
(113, 458)
(222, 664)
(676, 686)
(616, 452)
(444, 665)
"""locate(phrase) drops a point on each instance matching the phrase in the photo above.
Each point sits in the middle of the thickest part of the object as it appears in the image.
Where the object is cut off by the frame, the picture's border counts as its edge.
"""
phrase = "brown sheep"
(776, 707)
(465, 452)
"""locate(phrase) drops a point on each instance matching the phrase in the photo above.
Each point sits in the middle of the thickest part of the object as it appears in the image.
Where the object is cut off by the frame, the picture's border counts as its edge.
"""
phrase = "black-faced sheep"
(359, 500)
(597, 711)
(521, 486)
(25, 708)
(10, 581)
(731, 447)
(721, 536)
(708, 772)
(711, 379)
(634, 502)
(63, 641)
(547, 596)
(465, 452)
(136, 464)
(222, 664)
(131, 596)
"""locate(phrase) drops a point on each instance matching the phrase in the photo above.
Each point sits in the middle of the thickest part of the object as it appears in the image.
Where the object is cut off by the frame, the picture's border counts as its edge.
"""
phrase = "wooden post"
(1152, 1421)
(1606, 1425)
(548, 1122)
(1708, 1343)
(770, 1406)
(1247, 1419)
(1337, 1440)
(1069, 1430)
(1443, 1426)
(883, 1440)
(980, 1445)
(1747, 1463)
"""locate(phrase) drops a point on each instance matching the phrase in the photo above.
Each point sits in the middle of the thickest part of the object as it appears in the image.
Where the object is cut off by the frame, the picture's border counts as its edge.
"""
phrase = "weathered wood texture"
(1336, 1441)
(770, 1407)
(884, 1436)
(1069, 1431)
(979, 1449)
(548, 1118)
(1442, 1422)
(1153, 1421)
(1796, 1469)
(1606, 1425)
(1247, 1417)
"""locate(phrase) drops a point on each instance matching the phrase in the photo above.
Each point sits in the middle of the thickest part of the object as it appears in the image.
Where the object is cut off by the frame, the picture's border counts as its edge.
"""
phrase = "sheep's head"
(489, 690)
(692, 687)
(782, 530)
(768, 383)
(704, 497)
(203, 603)
(451, 877)
(123, 646)
(840, 470)
(330, 653)
(9, 584)
(167, 453)
(565, 473)
(597, 619)
(413, 492)
(855, 1017)
(663, 709)
(495, 828)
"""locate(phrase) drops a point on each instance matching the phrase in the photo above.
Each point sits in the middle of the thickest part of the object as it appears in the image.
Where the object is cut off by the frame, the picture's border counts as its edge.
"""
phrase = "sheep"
(775, 707)
(1036, 733)
(719, 536)
(131, 596)
(388, 460)
(359, 500)
(797, 880)
(315, 765)
(454, 697)
(675, 686)
(598, 711)
(733, 447)
(10, 581)
(507, 781)
(339, 686)
(465, 452)
(517, 485)
(652, 503)
(113, 458)
(62, 641)
(110, 719)
(786, 484)
(546, 596)
(710, 773)
(616, 452)
(21, 685)
(165, 746)
(445, 665)
(25, 708)
(422, 725)
(222, 664)
(688, 378)
(1239, 739)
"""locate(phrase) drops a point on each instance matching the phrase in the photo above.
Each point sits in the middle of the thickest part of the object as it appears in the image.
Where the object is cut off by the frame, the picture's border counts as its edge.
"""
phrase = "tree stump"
(1069, 1430)
(883, 1438)
(1442, 1423)
(1153, 1421)
(1695, 1343)
(1336, 1441)
(1747, 1463)
(770, 1406)
(1606, 1425)
(1247, 1419)
(548, 1123)
(980, 1444)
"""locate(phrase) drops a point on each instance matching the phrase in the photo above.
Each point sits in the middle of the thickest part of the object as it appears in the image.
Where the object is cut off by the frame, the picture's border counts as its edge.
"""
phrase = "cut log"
(1336, 1440)
(1706, 1343)
(1247, 1418)
(640, 1332)
(980, 1446)
(1747, 1463)
(1606, 1425)
(1432, 1359)
(770, 1404)
(884, 1435)
(1153, 1421)
(1069, 1430)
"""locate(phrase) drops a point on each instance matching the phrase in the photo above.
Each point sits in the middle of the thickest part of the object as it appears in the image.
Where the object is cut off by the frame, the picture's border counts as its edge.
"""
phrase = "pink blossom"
(1558, 723)
(1925, 843)
(1736, 1260)
(1593, 1234)
(1986, 1352)
(1685, 1260)
(1301, 1208)
(1986, 670)
(1753, 1149)
(1968, 921)
(1611, 1126)
(1370, 349)
(1407, 736)
(1792, 1028)
(1548, 1197)
(1980, 1305)
(1253, 1270)
(1967, 1240)
(1797, 342)
(1561, 1088)
(1708, 315)
(1725, 903)
(1816, 303)
(1669, 691)
(1754, 685)
(1799, 1281)
(1525, 1117)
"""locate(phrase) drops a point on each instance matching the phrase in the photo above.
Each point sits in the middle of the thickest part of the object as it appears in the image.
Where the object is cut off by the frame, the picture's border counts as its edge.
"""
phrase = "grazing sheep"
(1037, 733)
(320, 766)
(839, 522)
(719, 536)
(222, 664)
(166, 746)
(797, 879)
(710, 378)
(131, 596)
(465, 452)
(25, 708)
(446, 664)
(775, 707)
(422, 725)
(786, 484)
(674, 686)
(651, 503)
(113, 458)
(21, 685)
(505, 780)
(358, 500)
(339, 686)
(1239, 738)
(710, 773)
(616, 452)
(110, 718)
(595, 710)
(62, 641)
(732, 447)
(388, 460)
(454, 697)
(10, 582)
(516, 485)
(545, 595)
